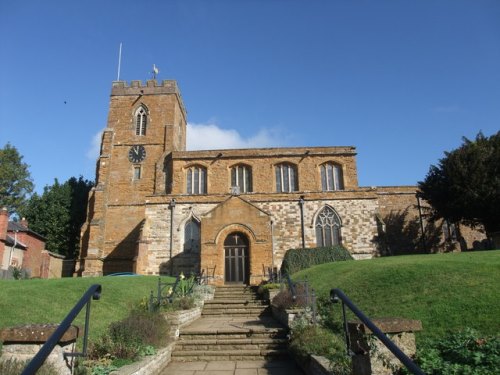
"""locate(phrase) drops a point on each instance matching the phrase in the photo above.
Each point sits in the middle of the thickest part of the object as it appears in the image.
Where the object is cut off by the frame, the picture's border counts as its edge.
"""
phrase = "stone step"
(231, 344)
(228, 355)
(235, 308)
(234, 300)
(232, 304)
(236, 333)
(235, 296)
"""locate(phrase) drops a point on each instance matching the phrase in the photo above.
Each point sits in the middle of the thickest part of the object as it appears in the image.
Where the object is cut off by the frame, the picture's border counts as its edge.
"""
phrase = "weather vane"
(155, 71)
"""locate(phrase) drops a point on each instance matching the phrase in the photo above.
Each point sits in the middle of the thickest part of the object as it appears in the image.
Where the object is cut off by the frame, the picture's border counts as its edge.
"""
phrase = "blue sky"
(402, 81)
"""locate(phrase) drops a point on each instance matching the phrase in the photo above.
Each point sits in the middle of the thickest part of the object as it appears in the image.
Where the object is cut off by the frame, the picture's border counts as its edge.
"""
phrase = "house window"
(192, 236)
(197, 180)
(286, 178)
(141, 121)
(241, 176)
(328, 228)
(137, 172)
(331, 177)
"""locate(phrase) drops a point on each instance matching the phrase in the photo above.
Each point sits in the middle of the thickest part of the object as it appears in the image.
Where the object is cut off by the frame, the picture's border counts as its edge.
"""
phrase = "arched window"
(331, 177)
(141, 121)
(196, 180)
(286, 178)
(328, 228)
(241, 176)
(192, 236)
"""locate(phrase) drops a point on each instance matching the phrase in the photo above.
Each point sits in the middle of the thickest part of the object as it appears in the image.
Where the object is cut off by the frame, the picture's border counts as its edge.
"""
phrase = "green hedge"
(299, 259)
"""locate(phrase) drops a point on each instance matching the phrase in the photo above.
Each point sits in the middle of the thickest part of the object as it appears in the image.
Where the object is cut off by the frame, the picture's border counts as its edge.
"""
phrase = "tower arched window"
(196, 180)
(327, 228)
(331, 177)
(241, 176)
(141, 121)
(192, 236)
(286, 178)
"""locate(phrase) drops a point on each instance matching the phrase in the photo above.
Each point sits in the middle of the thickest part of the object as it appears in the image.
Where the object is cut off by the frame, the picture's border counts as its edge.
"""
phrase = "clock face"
(136, 154)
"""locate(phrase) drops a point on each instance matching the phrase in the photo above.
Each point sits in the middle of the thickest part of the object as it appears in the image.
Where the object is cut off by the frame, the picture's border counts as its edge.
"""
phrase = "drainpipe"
(301, 203)
(272, 247)
(172, 207)
(13, 248)
(421, 223)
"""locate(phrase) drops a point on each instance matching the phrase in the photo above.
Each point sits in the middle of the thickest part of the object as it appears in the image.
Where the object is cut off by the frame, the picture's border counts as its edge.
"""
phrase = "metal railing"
(94, 292)
(336, 295)
(179, 288)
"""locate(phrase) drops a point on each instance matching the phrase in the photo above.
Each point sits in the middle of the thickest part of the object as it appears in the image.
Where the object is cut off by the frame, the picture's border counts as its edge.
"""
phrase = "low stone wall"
(371, 355)
(285, 317)
(156, 363)
(179, 319)
(24, 342)
(150, 365)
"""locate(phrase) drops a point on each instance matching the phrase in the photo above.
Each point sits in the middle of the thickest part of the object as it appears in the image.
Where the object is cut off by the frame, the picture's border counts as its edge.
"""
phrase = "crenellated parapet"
(151, 87)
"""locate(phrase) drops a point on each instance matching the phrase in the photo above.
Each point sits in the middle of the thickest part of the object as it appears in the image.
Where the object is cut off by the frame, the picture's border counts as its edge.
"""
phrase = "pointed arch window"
(328, 228)
(192, 236)
(141, 121)
(286, 178)
(241, 176)
(196, 180)
(331, 177)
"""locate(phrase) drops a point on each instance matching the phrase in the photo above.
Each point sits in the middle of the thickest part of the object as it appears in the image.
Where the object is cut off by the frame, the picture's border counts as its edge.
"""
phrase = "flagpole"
(119, 62)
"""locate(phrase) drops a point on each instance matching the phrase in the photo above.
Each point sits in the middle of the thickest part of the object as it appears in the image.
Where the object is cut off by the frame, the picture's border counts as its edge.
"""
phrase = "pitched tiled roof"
(10, 241)
(18, 227)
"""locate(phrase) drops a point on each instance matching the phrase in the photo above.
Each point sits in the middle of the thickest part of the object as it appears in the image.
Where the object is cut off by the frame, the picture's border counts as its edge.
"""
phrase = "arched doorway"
(236, 259)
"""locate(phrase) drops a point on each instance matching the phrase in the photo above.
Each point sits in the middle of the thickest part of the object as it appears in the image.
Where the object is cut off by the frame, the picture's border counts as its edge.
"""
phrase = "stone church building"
(159, 209)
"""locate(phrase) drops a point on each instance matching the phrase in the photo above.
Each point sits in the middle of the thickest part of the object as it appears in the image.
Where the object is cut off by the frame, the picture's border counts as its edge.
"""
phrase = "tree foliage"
(15, 179)
(59, 213)
(465, 185)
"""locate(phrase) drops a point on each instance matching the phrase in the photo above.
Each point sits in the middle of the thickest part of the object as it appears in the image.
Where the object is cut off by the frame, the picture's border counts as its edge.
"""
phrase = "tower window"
(327, 228)
(141, 121)
(331, 177)
(196, 180)
(286, 178)
(241, 176)
(137, 172)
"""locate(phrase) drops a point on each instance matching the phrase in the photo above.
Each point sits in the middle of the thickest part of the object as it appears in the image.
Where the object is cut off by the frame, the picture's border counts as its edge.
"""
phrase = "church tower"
(145, 122)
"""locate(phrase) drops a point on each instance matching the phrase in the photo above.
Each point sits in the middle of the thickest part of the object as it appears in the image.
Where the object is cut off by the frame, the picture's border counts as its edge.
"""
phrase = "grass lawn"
(444, 291)
(49, 301)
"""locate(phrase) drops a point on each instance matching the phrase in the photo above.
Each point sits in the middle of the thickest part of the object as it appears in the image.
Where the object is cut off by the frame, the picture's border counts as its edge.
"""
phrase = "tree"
(465, 186)
(15, 179)
(59, 213)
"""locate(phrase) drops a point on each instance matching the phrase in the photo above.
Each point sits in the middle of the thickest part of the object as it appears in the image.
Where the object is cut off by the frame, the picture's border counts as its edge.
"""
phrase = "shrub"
(263, 287)
(460, 353)
(131, 337)
(307, 340)
(284, 299)
(141, 327)
(299, 259)
(182, 303)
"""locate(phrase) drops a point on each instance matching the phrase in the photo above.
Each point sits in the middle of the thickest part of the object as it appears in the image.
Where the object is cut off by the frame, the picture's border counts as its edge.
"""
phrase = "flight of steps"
(236, 341)
(238, 300)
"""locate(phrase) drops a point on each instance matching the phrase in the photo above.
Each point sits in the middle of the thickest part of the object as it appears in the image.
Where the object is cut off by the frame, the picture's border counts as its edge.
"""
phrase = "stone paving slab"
(273, 367)
(231, 324)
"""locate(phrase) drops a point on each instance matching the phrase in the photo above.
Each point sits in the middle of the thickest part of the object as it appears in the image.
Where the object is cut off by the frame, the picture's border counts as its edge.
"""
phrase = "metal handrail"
(336, 294)
(94, 292)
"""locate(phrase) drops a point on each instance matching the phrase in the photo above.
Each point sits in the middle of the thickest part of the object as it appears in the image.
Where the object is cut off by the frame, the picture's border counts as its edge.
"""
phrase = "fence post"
(151, 301)
(313, 298)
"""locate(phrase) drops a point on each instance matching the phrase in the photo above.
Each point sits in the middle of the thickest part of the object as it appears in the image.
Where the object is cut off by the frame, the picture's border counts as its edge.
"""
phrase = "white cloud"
(95, 146)
(212, 137)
